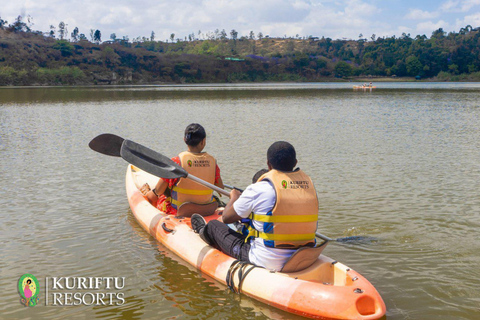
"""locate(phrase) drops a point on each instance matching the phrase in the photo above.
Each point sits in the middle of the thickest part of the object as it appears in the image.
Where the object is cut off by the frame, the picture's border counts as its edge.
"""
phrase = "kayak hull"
(325, 290)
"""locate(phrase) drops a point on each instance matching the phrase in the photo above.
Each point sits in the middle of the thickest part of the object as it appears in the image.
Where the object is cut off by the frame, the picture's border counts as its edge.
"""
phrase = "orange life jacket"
(201, 165)
(292, 223)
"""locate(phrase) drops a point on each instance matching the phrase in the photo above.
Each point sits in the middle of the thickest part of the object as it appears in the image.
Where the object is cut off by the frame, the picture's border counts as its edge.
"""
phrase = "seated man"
(169, 194)
(282, 206)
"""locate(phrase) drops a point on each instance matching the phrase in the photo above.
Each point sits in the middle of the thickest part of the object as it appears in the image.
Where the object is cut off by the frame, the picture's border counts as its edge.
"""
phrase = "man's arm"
(229, 215)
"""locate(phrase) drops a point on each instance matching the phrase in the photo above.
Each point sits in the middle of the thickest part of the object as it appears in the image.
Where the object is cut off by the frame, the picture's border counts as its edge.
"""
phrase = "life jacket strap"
(285, 218)
(192, 192)
(175, 202)
(251, 233)
(286, 237)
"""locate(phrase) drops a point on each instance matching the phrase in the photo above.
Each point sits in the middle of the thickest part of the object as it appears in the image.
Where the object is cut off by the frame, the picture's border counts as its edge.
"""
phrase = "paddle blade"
(151, 161)
(107, 143)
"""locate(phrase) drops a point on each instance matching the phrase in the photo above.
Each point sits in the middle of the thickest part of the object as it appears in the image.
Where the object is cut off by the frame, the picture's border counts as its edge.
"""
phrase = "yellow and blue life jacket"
(201, 165)
(292, 222)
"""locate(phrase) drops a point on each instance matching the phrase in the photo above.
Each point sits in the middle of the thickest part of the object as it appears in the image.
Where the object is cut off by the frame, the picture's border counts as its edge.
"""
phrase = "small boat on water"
(326, 289)
(364, 87)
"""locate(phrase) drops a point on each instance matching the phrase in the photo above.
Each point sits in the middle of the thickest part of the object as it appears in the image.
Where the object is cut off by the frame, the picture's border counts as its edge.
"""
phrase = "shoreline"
(359, 80)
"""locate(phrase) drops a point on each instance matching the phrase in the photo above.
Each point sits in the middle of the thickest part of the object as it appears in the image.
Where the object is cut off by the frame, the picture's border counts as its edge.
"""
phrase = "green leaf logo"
(284, 184)
(189, 162)
(29, 289)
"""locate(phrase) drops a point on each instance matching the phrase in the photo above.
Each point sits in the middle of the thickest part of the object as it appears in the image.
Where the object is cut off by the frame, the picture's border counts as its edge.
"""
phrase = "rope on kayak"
(242, 268)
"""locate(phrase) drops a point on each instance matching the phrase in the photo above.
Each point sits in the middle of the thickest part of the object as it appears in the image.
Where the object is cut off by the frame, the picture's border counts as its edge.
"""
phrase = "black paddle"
(321, 236)
(144, 158)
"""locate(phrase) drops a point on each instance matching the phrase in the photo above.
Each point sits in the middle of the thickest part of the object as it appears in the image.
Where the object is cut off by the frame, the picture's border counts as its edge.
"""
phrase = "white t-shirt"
(260, 198)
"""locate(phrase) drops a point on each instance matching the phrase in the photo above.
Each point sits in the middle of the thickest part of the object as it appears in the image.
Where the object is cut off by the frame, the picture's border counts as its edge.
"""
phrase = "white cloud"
(346, 21)
(449, 5)
(472, 20)
(115, 14)
(417, 14)
(429, 26)
(459, 5)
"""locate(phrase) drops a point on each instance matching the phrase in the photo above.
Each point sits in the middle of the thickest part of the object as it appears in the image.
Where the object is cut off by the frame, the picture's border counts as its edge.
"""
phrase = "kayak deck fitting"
(326, 290)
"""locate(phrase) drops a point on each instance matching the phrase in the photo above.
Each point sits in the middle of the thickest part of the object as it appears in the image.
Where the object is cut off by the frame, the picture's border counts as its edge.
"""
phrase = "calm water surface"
(400, 164)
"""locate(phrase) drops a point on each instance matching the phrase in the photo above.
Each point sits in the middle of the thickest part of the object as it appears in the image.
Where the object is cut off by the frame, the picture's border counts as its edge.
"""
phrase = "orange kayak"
(325, 290)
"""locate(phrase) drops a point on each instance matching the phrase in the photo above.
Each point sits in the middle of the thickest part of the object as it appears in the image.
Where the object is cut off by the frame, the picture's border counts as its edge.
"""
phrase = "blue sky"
(336, 19)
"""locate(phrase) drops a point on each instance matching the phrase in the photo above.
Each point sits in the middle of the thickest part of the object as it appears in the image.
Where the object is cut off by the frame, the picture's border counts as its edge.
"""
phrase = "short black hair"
(194, 134)
(282, 156)
(258, 175)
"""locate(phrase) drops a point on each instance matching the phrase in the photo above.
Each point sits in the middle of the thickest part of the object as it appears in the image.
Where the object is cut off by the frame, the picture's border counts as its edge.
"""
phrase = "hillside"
(32, 58)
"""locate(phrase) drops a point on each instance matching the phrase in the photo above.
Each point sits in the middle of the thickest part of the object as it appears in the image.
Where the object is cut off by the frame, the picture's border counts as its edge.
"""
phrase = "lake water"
(400, 164)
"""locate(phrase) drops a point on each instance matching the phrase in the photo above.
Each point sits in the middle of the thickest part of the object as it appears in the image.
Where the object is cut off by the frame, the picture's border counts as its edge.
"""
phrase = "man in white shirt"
(272, 243)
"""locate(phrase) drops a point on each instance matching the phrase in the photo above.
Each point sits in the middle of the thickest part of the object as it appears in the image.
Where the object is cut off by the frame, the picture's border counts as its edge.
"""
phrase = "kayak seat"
(303, 258)
(188, 208)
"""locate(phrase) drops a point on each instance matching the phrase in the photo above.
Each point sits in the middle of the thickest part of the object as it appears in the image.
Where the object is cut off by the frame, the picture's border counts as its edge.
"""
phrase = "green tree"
(19, 25)
(439, 33)
(110, 57)
(97, 36)
(234, 34)
(64, 47)
(62, 30)
(343, 69)
(414, 66)
(3, 23)
(172, 37)
(223, 35)
(453, 68)
(152, 36)
(75, 35)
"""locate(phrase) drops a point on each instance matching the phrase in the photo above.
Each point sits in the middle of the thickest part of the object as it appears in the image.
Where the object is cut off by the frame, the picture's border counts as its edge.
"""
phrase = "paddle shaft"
(208, 185)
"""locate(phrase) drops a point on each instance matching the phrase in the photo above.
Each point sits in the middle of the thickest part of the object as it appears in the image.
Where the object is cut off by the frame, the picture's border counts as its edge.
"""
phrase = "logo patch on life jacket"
(284, 184)
(189, 162)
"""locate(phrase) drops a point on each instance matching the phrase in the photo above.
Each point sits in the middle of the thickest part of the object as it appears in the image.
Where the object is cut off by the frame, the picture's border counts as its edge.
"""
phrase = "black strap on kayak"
(242, 268)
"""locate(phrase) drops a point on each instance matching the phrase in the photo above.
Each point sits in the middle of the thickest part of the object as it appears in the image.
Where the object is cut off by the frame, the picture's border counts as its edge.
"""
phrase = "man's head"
(281, 156)
(194, 134)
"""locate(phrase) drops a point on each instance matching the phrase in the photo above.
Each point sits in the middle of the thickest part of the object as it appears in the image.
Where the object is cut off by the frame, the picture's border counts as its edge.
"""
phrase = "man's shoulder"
(261, 186)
